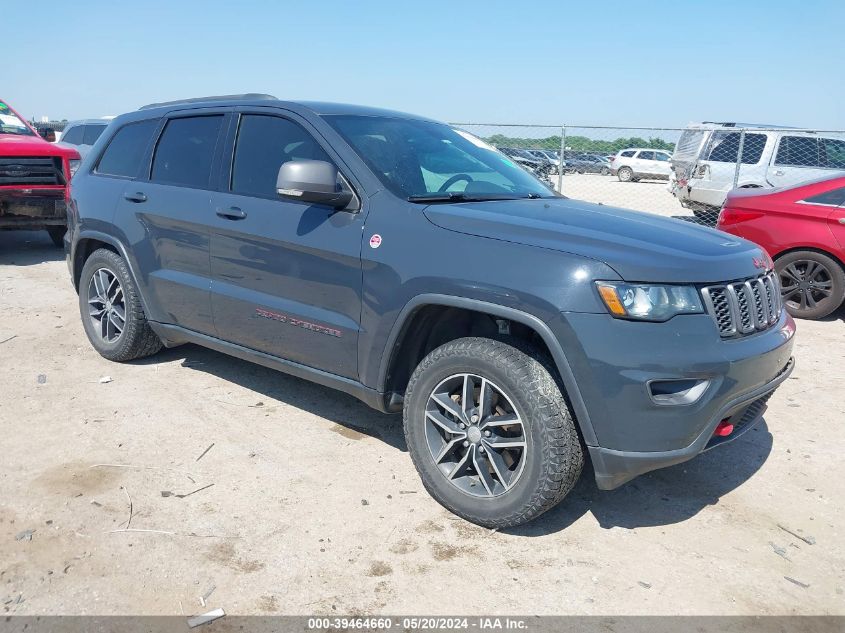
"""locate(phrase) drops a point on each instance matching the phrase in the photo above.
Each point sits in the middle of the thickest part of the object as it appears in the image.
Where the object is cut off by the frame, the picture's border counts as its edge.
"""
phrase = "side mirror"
(311, 181)
(49, 135)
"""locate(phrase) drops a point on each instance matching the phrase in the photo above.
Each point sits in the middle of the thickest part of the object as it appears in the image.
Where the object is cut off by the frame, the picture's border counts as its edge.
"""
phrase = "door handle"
(778, 173)
(841, 220)
(135, 197)
(232, 213)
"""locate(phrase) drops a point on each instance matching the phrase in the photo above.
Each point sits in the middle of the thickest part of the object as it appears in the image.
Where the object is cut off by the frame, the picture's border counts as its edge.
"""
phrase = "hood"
(639, 246)
(16, 145)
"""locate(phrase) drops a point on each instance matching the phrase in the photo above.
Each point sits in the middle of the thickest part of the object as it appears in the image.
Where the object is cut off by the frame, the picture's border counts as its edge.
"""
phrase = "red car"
(34, 176)
(803, 229)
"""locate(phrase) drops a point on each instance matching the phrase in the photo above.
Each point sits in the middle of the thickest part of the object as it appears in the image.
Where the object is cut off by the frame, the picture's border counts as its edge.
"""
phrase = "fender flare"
(582, 416)
(121, 250)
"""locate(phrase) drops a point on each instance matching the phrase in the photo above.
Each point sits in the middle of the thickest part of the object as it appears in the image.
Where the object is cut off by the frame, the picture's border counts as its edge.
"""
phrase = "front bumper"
(614, 361)
(32, 208)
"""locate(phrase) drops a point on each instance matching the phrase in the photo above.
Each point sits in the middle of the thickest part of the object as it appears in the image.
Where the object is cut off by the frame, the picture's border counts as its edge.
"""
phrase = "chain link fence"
(684, 173)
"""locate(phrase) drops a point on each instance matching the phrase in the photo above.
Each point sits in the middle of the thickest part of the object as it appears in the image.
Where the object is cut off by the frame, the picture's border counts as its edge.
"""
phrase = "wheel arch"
(411, 335)
(90, 241)
(813, 249)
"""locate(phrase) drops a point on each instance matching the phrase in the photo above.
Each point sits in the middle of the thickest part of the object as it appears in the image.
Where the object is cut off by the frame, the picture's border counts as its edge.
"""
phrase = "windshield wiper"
(456, 196)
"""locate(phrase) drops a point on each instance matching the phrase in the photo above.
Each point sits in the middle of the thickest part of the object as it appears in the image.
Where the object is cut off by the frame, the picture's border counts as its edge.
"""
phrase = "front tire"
(490, 433)
(625, 174)
(111, 310)
(812, 284)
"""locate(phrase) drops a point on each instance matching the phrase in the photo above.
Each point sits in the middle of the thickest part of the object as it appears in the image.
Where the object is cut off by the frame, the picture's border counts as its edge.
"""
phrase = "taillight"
(730, 216)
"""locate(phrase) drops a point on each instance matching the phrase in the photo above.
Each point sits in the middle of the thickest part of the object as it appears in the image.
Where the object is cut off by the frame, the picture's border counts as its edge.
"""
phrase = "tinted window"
(92, 133)
(833, 151)
(646, 155)
(627, 154)
(264, 143)
(661, 156)
(724, 147)
(415, 158)
(126, 149)
(73, 135)
(800, 151)
(185, 151)
(835, 197)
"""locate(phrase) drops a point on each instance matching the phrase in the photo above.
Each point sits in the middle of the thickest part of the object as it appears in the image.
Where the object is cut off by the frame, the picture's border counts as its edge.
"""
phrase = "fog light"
(674, 392)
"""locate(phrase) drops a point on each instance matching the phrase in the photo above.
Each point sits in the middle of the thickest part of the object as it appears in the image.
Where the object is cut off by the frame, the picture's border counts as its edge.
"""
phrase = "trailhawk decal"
(286, 318)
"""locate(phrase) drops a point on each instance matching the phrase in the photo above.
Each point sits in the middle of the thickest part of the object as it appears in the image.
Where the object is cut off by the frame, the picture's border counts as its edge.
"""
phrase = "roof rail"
(250, 96)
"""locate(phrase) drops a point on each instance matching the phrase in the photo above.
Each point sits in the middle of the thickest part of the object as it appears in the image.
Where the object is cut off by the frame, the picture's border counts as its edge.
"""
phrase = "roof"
(319, 108)
(101, 121)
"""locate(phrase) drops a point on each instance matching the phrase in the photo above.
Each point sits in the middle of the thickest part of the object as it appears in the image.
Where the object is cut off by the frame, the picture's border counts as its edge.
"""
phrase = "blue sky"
(601, 63)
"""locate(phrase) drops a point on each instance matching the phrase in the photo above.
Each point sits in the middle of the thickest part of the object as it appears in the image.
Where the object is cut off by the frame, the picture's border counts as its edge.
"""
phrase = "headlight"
(74, 165)
(648, 302)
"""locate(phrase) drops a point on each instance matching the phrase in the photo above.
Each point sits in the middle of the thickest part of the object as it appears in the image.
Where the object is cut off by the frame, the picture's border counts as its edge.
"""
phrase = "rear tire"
(57, 234)
(813, 284)
(111, 310)
(521, 482)
(625, 174)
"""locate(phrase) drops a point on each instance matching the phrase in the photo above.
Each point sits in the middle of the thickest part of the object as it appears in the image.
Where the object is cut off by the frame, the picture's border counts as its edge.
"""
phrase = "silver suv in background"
(704, 163)
(81, 135)
(638, 163)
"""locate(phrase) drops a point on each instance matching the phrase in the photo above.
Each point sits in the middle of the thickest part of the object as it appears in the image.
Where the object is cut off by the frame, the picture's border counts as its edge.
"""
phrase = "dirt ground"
(307, 502)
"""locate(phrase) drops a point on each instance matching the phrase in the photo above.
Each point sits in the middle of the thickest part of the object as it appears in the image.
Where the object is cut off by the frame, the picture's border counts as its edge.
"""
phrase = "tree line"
(580, 143)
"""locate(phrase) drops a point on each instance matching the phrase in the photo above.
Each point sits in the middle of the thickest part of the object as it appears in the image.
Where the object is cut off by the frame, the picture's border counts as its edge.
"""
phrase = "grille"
(45, 170)
(744, 307)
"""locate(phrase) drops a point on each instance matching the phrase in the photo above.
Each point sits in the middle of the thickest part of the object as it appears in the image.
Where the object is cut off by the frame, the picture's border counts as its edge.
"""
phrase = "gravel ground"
(307, 501)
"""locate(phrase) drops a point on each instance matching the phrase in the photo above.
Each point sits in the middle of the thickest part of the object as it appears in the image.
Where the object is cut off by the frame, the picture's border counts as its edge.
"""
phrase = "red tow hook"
(724, 428)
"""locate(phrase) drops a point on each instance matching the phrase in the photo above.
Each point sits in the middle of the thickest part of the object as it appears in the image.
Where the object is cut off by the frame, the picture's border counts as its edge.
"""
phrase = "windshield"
(10, 123)
(421, 159)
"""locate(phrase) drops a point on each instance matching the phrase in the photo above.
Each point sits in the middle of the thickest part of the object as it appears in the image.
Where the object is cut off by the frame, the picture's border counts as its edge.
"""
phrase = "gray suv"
(410, 264)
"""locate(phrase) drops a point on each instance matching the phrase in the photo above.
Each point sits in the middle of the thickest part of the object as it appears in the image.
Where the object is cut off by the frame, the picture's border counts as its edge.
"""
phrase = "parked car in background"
(33, 178)
(803, 229)
(583, 163)
(545, 155)
(541, 167)
(705, 158)
(81, 135)
(637, 163)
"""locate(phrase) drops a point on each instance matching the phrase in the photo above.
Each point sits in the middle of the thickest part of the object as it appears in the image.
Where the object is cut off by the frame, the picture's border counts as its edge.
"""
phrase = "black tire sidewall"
(837, 276)
(114, 264)
(479, 509)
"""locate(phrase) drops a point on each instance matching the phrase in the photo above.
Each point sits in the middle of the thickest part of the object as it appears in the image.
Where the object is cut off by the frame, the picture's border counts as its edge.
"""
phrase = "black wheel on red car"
(812, 283)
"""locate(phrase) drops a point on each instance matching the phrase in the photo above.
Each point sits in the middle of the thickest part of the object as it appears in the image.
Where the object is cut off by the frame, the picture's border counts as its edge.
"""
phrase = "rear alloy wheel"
(812, 284)
(111, 310)
(625, 174)
(490, 433)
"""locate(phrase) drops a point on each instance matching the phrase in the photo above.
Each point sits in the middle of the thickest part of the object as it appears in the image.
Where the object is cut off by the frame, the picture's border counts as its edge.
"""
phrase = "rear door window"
(185, 151)
(92, 133)
(724, 147)
(126, 149)
(264, 143)
(833, 153)
(798, 151)
(73, 136)
(834, 198)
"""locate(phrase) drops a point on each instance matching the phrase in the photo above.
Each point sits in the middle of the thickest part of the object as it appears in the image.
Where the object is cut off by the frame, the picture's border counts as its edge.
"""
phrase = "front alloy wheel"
(475, 436)
(489, 431)
(106, 305)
